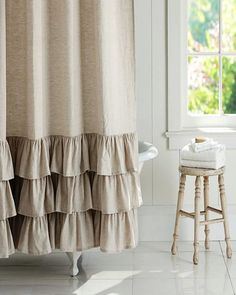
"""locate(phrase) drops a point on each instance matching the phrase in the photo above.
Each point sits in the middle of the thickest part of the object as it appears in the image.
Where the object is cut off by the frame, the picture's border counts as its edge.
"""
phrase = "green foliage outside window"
(203, 36)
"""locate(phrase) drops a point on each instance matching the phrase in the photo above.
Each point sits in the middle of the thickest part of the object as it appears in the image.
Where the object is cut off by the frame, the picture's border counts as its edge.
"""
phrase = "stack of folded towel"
(205, 153)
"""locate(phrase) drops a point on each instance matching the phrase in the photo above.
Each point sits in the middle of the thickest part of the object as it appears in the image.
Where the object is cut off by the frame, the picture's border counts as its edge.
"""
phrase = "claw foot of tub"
(74, 256)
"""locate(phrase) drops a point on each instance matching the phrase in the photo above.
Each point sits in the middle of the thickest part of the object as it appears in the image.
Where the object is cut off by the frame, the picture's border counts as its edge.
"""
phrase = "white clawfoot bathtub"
(147, 151)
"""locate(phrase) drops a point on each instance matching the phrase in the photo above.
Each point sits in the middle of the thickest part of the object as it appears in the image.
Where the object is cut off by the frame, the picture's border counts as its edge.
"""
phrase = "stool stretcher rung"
(186, 214)
(212, 221)
(190, 214)
(214, 210)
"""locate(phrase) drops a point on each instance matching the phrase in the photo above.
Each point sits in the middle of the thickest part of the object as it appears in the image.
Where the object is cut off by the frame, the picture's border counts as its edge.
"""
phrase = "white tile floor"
(149, 269)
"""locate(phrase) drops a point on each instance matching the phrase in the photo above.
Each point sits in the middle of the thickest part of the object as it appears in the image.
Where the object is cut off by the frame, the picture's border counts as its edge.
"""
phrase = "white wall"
(160, 177)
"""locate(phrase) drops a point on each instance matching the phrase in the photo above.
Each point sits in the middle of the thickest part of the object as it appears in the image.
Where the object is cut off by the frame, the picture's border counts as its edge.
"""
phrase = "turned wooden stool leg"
(206, 204)
(179, 207)
(225, 215)
(197, 218)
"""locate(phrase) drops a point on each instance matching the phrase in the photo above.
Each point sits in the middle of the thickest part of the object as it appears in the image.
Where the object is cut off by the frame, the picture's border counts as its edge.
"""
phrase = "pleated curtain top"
(69, 67)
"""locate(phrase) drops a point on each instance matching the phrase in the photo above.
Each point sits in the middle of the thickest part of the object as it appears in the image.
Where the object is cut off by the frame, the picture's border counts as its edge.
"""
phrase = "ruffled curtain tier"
(7, 245)
(70, 193)
(72, 156)
(7, 206)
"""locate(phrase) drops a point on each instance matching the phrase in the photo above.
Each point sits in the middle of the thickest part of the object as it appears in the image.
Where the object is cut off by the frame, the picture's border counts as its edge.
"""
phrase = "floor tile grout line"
(222, 252)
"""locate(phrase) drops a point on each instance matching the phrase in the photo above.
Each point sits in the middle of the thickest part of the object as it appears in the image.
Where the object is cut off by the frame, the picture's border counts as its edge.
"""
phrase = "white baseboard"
(156, 223)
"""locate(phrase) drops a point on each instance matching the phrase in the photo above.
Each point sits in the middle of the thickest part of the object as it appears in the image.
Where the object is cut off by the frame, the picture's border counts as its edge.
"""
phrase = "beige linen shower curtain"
(68, 144)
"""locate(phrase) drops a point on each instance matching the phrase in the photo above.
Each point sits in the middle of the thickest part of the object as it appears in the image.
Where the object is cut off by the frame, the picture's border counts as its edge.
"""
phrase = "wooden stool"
(205, 173)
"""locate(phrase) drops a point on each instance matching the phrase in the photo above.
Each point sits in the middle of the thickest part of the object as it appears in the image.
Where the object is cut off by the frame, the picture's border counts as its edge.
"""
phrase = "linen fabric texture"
(68, 144)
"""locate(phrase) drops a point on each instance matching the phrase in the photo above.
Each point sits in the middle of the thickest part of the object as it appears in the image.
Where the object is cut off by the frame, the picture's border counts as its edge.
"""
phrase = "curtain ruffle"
(72, 156)
(70, 193)
(7, 245)
(7, 206)
(77, 231)
(6, 168)
(108, 194)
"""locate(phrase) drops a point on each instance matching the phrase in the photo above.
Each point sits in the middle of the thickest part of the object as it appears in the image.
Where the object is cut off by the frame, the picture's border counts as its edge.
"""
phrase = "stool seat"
(201, 171)
(200, 174)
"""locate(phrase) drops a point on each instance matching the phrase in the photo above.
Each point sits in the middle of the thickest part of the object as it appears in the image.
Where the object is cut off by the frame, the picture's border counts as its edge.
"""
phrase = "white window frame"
(182, 126)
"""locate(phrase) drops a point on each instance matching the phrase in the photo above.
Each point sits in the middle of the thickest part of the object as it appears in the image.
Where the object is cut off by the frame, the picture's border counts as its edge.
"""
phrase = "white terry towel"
(203, 164)
(187, 153)
(212, 158)
(209, 144)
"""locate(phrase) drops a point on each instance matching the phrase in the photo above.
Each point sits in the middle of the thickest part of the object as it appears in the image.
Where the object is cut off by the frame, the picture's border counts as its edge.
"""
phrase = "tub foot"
(74, 256)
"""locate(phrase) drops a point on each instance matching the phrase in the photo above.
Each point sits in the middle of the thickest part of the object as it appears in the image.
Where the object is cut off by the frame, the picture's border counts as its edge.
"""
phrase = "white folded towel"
(203, 164)
(211, 156)
(187, 153)
(209, 144)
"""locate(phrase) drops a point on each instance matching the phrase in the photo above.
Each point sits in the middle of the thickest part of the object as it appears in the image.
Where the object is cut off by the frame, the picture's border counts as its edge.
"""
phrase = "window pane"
(229, 85)
(203, 25)
(229, 25)
(203, 85)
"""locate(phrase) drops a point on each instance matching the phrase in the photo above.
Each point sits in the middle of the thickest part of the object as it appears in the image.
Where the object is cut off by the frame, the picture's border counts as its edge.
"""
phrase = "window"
(211, 57)
(201, 67)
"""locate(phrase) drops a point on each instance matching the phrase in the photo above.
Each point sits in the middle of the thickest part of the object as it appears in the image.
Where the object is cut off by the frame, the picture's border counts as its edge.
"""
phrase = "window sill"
(177, 139)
